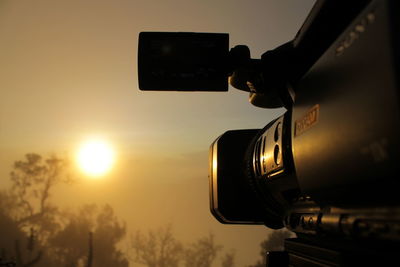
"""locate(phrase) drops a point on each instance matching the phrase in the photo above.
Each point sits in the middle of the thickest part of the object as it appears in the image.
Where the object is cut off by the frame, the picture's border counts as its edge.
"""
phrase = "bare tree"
(157, 248)
(56, 238)
(32, 181)
(26, 212)
(34, 254)
(202, 253)
(69, 245)
(90, 251)
(228, 260)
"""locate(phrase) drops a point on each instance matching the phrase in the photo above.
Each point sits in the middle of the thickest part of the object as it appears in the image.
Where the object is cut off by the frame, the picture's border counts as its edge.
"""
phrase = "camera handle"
(267, 79)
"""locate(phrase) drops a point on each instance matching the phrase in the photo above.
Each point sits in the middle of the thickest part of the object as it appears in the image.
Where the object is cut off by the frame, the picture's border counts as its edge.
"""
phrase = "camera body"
(327, 169)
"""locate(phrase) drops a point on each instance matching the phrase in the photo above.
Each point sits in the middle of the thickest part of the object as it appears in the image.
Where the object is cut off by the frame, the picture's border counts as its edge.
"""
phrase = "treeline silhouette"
(36, 232)
(159, 248)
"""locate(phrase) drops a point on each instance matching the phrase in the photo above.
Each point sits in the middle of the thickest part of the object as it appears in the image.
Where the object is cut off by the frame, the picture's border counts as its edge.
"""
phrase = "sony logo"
(307, 121)
(355, 33)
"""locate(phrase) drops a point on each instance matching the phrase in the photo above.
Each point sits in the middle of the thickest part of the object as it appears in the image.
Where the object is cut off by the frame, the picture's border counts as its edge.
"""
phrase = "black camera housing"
(327, 169)
(341, 133)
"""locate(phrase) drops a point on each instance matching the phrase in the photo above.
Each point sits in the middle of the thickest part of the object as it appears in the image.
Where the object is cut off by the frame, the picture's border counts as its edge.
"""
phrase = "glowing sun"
(95, 158)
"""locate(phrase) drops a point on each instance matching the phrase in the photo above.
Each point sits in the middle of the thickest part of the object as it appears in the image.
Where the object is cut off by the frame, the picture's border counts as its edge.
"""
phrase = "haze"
(68, 73)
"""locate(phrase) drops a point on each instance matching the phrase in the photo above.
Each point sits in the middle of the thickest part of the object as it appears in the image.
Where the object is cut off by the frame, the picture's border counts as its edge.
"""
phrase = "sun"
(95, 158)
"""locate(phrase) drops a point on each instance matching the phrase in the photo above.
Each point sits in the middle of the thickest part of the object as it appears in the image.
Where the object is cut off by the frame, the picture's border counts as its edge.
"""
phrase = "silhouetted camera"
(328, 169)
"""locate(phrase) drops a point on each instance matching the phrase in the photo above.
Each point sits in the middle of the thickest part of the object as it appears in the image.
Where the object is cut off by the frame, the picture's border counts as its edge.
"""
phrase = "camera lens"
(276, 187)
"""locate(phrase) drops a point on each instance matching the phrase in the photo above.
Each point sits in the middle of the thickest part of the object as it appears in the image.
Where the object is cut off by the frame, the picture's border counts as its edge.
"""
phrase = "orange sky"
(68, 71)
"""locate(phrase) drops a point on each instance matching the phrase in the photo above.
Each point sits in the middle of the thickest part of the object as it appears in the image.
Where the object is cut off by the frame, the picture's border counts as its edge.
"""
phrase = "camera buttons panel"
(267, 157)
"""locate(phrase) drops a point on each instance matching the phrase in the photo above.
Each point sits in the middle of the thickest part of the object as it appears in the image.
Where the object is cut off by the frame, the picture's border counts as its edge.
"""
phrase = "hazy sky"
(68, 73)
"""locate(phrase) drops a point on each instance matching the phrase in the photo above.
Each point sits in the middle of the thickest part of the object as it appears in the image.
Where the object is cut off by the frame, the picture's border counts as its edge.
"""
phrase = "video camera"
(328, 169)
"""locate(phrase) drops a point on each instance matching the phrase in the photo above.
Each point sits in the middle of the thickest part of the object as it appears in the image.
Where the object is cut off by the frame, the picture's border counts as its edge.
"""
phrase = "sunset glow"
(95, 158)
(120, 161)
